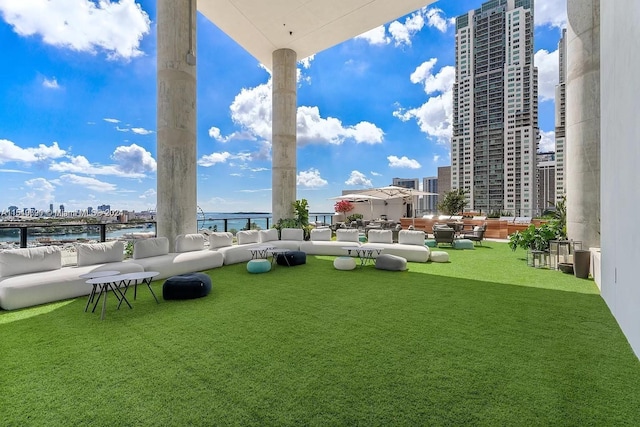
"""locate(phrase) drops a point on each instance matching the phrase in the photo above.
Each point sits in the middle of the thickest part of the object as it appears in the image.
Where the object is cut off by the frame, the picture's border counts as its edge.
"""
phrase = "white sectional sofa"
(320, 242)
(222, 243)
(290, 238)
(190, 255)
(32, 276)
(35, 276)
(410, 244)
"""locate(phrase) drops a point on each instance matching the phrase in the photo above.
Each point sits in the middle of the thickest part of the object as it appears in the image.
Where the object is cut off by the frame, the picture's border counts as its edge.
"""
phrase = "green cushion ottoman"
(463, 244)
(258, 266)
(430, 243)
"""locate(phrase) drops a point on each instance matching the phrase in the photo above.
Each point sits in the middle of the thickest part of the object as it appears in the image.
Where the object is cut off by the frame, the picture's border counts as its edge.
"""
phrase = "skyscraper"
(560, 105)
(429, 204)
(495, 108)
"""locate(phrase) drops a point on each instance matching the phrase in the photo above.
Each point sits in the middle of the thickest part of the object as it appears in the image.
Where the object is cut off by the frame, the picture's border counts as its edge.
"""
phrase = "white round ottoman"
(439, 256)
(344, 263)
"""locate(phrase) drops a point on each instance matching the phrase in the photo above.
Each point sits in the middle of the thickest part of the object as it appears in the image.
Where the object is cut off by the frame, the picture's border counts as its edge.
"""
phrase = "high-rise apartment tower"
(561, 112)
(495, 108)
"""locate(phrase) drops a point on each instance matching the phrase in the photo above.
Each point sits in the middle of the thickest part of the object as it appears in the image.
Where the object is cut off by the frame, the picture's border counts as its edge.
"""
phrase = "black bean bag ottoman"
(292, 258)
(186, 286)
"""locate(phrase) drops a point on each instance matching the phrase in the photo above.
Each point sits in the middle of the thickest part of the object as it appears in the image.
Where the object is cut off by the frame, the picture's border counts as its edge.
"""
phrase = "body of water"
(214, 221)
(220, 221)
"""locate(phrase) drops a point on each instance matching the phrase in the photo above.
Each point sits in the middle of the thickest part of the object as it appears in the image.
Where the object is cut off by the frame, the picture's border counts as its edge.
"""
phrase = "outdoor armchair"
(444, 235)
(476, 235)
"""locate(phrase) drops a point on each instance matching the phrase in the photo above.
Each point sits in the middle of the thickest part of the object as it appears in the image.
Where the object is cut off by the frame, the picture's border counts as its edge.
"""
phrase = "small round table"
(94, 275)
(136, 279)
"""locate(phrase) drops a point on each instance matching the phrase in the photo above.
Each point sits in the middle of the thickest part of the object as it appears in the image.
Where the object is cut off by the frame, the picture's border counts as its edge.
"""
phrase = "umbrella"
(356, 197)
(395, 192)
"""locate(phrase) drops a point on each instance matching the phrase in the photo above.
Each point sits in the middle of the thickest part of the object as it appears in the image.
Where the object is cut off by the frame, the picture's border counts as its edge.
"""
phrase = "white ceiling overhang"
(305, 26)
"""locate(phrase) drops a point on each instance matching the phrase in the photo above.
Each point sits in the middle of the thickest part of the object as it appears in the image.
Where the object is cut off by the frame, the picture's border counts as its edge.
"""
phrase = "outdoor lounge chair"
(444, 235)
(476, 235)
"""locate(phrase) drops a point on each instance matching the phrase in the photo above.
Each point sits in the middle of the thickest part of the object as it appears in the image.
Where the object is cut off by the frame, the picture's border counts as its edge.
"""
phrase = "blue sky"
(78, 113)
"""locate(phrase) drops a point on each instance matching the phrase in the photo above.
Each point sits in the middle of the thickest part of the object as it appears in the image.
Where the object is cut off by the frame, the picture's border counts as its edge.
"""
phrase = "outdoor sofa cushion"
(220, 240)
(155, 246)
(30, 260)
(320, 235)
(99, 253)
(380, 236)
(246, 237)
(189, 242)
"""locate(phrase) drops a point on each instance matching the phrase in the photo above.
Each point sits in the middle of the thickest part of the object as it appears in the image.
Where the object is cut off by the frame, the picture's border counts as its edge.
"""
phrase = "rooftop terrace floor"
(482, 340)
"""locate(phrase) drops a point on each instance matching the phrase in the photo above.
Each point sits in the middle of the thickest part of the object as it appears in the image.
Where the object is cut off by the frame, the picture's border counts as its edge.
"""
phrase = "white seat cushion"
(99, 253)
(439, 256)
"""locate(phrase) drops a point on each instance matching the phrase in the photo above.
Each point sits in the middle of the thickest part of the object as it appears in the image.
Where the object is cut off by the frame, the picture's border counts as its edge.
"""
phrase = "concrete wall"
(620, 151)
(582, 151)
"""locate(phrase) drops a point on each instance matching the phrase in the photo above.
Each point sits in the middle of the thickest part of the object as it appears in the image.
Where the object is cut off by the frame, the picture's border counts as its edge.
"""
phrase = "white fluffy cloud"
(133, 159)
(130, 162)
(547, 63)
(86, 182)
(50, 83)
(552, 13)
(403, 162)
(402, 32)
(311, 179)
(213, 158)
(358, 179)
(81, 25)
(547, 142)
(141, 131)
(10, 152)
(110, 120)
(149, 194)
(435, 117)
(377, 36)
(251, 110)
(40, 192)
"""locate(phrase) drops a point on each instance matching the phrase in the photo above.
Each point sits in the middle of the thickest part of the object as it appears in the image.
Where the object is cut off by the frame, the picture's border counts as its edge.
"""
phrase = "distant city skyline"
(78, 107)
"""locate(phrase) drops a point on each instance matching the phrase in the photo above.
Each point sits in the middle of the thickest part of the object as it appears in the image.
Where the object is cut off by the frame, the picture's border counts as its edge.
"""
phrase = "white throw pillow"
(247, 236)
(189, 242)
(30, 260)
(220, 240)
(347, 235)
(99, 253)
(380, 236)
(269, 235)
(292, 234)
(408, 237)
(320, 234)
(155, 246)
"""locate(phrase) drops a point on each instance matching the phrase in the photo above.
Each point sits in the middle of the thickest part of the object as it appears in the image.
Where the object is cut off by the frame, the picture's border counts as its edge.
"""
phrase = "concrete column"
(283, 138)
(582, 179)
(176, 115)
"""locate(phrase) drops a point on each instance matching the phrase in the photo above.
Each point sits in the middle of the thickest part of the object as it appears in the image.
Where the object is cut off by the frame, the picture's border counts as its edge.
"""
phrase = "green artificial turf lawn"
(482, 340)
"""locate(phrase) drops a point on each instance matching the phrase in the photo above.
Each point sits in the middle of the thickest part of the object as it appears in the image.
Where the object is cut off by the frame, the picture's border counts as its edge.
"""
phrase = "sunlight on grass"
(14, 316)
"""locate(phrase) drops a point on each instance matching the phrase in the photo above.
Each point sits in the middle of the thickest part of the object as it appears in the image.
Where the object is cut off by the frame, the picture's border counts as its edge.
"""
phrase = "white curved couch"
(320, 242)
(32, 276)
(190, 255)
(410, 244)
(222, 242)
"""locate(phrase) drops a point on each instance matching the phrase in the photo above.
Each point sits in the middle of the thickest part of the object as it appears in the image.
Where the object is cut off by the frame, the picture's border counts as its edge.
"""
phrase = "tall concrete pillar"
(176, 114)
(283, 138)
(583, 122)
